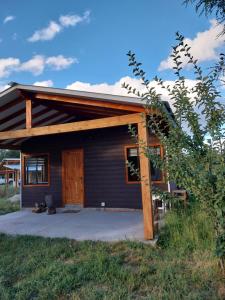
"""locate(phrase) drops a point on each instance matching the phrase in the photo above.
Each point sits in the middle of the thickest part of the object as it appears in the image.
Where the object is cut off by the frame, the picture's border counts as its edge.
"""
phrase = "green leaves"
(189, 160)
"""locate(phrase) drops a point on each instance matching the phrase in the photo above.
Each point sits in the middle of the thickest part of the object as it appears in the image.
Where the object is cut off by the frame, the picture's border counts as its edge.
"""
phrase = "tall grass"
(8, 191)
(5, 205)
(187, 231)
(182, 266)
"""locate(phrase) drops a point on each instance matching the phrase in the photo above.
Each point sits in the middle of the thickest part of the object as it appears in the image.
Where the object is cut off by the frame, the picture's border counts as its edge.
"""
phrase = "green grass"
(5, 205)
(39, 268)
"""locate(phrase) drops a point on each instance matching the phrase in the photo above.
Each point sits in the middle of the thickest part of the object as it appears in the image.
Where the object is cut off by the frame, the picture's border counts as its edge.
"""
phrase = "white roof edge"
(11, 158)
(33, 88)
(91, 95)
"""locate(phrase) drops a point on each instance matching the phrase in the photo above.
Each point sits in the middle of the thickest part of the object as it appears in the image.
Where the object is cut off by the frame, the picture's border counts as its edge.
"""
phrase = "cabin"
(75, 146)
(10, 172)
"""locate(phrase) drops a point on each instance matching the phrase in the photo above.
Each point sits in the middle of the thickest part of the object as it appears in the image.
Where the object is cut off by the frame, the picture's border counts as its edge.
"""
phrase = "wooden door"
(73, 177)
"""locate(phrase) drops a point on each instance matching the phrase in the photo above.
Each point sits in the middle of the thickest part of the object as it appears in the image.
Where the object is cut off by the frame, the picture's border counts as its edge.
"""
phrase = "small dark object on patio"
(39, 207)
(51, 210)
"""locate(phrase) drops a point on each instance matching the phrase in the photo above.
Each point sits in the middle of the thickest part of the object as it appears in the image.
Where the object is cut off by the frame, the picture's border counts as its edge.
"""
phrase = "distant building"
(10, 171)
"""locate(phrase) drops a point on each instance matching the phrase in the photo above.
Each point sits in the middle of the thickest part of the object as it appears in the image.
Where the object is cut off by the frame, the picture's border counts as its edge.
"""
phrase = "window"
(132, 157)
(156, 173)
(36, 169)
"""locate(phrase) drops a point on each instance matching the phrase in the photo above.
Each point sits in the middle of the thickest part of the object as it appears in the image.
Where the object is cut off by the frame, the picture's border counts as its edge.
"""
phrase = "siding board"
(104, 168)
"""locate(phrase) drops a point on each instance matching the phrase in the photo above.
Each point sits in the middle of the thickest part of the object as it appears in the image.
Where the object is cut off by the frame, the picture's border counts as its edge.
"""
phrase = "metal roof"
(12, 167)
(14, 91)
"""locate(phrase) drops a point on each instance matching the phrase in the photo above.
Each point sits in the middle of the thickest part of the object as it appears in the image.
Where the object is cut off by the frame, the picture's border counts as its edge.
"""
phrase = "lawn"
(5, 205)
(39, 268)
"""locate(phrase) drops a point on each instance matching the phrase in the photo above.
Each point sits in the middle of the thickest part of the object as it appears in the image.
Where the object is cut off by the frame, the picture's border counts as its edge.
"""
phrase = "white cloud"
(49, 32)
(8, 19)
(3, 87)
(222, 82)
(116, 89)
(7, 65)
(45, 83)
(73, 20)
(204, 46)
(60, 62)
(36, 65)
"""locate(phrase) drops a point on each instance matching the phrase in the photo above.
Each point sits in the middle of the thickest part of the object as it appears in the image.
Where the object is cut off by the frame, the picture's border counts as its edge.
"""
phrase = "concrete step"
(73, 206)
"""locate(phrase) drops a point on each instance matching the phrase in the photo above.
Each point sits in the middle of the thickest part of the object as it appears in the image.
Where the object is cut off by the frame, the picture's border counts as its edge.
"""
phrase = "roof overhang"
(52, 106)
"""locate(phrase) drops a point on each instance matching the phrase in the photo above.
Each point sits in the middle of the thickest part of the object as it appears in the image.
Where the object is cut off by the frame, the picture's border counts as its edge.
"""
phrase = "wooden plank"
(28, 113)
(12, 116)
(21, 122)
(94, 103)
(57, 121)
(10, 104)
(145, 181)
(17, 114)
(71, 127)
(83, 109)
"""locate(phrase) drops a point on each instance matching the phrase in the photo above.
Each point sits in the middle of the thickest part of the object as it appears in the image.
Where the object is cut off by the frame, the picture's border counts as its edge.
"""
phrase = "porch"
(31, 116)
(88, 224)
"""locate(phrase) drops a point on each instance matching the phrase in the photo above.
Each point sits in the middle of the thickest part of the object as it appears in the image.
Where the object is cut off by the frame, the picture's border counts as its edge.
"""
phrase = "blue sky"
(83, 44)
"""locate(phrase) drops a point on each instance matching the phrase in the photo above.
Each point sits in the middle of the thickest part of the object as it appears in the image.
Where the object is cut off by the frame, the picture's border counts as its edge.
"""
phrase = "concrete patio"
(88, 224)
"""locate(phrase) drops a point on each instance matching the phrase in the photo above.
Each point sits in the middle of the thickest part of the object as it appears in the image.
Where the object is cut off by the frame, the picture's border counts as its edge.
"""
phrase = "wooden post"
(28, 114)
(145, 174)
(15, 178)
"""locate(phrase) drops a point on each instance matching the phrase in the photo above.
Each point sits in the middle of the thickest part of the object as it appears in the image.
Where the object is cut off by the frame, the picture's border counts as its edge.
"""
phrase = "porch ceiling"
(53, 107)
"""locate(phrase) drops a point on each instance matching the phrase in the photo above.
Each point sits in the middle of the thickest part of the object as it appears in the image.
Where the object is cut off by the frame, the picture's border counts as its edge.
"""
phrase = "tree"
(209, 7)
(195, 157)
(9, 154)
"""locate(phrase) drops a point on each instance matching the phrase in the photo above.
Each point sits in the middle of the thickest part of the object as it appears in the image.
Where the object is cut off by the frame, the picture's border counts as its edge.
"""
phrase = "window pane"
(156, 173)
(133, 158)
(132, 152)
(36, 169)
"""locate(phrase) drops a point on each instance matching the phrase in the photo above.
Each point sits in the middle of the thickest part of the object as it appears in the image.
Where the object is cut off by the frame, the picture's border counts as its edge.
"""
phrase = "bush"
(8, 191)
(187, 231)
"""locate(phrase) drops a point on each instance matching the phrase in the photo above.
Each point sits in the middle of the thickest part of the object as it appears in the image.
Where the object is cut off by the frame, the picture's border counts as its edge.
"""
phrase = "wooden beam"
(17, 142)
(28, 113)
(145, 173)
(72, 127)
(94, 103)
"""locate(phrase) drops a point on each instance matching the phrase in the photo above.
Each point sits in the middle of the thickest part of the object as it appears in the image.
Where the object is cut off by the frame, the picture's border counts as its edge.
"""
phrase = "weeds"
(182, 266)
(5, 205)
